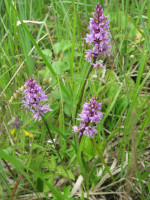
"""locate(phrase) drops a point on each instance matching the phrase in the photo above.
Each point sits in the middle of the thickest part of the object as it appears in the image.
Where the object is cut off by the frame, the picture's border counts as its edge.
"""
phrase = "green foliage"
(89, 149)
(62, 46)
(121, 148)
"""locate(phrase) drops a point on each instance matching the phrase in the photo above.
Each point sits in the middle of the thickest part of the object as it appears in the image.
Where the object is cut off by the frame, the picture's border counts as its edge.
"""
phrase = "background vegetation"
(49, 46)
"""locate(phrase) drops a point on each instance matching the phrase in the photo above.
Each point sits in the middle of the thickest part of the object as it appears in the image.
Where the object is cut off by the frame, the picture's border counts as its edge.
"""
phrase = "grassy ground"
(49, 46)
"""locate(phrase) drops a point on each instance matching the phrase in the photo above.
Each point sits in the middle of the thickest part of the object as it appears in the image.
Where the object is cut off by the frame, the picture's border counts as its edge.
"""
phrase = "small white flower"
(50, 142)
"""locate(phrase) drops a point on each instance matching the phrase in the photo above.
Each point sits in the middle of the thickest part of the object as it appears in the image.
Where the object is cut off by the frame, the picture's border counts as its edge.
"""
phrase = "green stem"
(50, 134)
(83, 87)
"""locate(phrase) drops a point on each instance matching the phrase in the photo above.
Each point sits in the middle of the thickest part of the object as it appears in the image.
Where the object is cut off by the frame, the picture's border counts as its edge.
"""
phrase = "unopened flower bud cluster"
(15, 95)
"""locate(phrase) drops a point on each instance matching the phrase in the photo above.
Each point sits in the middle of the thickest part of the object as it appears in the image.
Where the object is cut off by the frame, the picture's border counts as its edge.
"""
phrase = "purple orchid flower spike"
(35, 99)
(89, 116)
(99, 36)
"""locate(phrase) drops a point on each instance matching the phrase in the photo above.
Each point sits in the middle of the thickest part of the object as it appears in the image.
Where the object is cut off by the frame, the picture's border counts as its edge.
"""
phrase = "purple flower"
(89, 116)
(34, 99)
(99, 35)
(17, 123)
(75, 129)
(90, 131)
(97, 64)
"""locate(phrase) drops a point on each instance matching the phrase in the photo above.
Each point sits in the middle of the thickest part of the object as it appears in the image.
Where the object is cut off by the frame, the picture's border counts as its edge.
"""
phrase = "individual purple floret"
(34, 99)
(89, 116)
(99, 35)
(97, 64)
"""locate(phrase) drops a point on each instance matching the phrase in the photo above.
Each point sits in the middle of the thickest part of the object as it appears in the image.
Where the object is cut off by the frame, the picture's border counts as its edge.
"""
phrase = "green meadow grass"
(50, 48)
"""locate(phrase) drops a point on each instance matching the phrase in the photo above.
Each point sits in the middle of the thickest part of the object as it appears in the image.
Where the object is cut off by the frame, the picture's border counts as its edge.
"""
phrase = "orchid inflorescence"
(99, 35)
(89, 116)
(35, 99)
